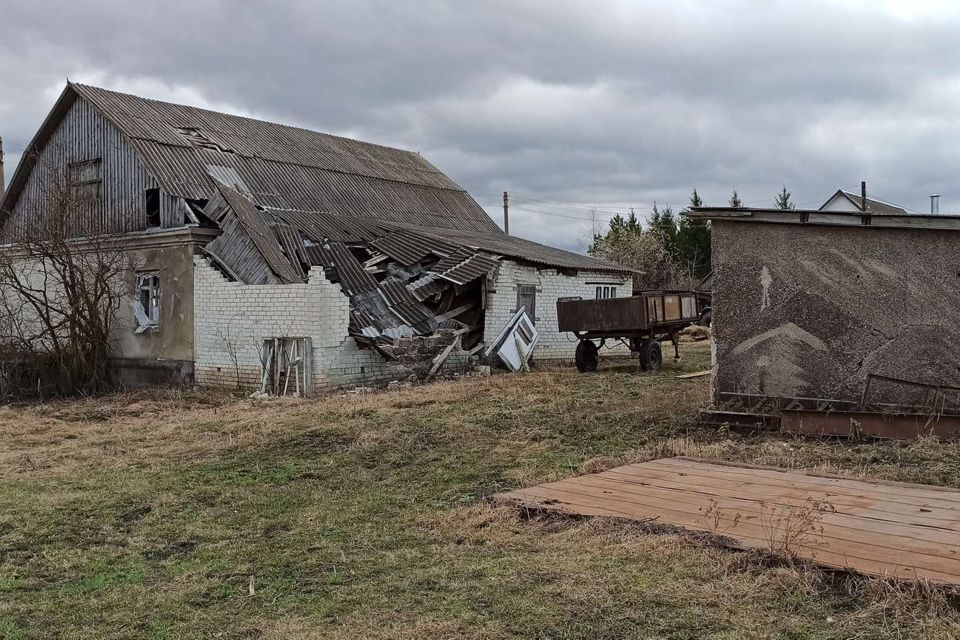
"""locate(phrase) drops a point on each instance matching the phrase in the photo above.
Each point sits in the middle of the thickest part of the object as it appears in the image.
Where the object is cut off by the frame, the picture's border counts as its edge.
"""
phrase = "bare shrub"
(788, 529)
(62, 281)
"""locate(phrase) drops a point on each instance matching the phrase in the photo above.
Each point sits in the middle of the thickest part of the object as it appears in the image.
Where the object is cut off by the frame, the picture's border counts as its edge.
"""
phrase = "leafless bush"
(788, 529)
(61, 285)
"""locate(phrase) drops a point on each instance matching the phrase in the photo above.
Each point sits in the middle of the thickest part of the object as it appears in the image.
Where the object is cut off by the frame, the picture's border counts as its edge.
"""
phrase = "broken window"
(153, 207)
(527, 300)
(86, 180)
(146, 305)
(604, 292)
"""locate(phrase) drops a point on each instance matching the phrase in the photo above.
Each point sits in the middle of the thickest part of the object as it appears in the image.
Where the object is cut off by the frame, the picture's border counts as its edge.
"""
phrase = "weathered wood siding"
(84, 134)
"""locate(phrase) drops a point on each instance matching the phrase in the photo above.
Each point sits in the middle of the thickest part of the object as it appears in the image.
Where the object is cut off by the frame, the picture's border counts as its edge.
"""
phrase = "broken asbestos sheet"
(411, 292)
(880, 528)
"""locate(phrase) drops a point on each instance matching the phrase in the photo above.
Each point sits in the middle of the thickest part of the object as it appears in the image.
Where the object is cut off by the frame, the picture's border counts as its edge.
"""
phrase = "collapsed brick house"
(249, 233)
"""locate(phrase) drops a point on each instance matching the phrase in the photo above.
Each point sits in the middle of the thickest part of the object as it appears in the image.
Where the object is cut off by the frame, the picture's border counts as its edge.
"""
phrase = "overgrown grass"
(184, 515)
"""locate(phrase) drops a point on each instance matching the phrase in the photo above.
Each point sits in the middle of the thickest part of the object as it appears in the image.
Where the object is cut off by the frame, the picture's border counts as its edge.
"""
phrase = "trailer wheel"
(651, 357)
(587, 356)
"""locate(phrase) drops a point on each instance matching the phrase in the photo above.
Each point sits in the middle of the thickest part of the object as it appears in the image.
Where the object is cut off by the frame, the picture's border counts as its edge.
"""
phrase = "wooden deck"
(878, 528)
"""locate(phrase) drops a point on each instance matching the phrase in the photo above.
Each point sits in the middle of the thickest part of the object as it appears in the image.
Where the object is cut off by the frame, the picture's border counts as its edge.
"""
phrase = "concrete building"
(808, 304)
(252, 236)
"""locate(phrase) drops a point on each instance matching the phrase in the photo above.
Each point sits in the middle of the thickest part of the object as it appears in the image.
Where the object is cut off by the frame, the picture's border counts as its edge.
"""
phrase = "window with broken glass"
(146, 306)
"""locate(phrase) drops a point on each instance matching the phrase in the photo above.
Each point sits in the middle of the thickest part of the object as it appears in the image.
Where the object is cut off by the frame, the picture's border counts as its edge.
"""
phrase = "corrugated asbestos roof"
(324, 186)
(287, 167)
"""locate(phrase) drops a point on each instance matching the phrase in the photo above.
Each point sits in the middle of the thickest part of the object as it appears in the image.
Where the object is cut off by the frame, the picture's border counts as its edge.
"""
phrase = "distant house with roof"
(250, 234)
(845, 201)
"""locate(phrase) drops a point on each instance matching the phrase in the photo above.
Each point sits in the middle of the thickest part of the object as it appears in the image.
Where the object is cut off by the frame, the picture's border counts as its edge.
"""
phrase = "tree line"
(673, 251)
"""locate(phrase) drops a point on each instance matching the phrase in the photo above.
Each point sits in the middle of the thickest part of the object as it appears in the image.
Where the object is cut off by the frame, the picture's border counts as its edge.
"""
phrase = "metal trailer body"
(642, 321)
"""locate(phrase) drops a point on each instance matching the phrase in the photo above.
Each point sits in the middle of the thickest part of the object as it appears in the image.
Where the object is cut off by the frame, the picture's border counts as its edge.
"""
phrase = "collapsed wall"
(234, 319)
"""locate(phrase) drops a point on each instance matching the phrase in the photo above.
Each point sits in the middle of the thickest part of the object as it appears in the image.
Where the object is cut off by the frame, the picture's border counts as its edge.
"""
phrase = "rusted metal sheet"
(614, 314)
(888, 529)
(870, 424)
(625, 315)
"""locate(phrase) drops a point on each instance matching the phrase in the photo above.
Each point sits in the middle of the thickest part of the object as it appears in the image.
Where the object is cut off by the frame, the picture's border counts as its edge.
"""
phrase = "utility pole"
(863, 195)
(506, 214)
(2, 183)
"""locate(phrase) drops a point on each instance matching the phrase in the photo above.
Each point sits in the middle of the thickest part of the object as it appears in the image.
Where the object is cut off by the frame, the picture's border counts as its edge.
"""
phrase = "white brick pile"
(551, 285)
(234, 318)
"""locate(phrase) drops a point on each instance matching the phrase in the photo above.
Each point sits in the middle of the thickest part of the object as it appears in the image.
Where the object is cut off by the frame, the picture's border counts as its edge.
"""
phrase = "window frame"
(82, 183)
(528, 290)
(148, 314)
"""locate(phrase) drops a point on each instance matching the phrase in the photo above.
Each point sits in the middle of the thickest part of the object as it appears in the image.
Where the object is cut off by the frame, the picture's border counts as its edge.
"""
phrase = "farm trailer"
(641, 322)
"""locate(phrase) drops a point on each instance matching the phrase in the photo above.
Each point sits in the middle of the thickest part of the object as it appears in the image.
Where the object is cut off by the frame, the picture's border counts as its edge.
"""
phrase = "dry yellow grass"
(149, 515)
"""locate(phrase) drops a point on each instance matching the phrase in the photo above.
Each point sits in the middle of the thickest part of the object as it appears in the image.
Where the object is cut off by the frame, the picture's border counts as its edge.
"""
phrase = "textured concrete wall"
(551, 285)
(160, 355)
(810, 311)
(234, 318)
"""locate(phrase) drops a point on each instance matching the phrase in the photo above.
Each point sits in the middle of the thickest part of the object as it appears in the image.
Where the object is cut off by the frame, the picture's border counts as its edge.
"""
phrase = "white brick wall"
(231, 313)
(551, 285)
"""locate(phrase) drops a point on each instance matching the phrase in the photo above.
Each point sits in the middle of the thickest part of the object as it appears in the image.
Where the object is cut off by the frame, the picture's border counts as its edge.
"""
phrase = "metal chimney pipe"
(934, 204)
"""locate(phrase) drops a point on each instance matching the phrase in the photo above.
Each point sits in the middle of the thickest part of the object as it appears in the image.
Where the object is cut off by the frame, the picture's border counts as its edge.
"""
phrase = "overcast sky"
(573, 107)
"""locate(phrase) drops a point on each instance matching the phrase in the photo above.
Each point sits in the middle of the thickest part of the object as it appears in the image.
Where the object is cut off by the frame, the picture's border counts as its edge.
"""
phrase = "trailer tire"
(587, 356)
(651, 357)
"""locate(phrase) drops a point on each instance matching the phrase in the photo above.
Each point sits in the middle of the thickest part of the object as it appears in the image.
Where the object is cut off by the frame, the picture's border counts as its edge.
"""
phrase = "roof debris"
(403, 284)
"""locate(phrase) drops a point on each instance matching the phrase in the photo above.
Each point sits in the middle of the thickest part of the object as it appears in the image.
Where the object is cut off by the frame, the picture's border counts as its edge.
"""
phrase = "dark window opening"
(153, 207)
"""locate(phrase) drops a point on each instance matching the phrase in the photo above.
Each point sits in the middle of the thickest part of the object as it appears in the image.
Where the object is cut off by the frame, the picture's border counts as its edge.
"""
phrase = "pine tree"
(735, 200)
(663, 222)
(695, 200)
(783, 200)
(692, 245)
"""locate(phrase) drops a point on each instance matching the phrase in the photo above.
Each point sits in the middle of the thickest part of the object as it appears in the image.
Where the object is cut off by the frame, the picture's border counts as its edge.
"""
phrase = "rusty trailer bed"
(641, 321)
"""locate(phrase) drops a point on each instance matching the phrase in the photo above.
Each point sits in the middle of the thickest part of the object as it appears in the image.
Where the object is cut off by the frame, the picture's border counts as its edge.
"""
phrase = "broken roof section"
(402, 281)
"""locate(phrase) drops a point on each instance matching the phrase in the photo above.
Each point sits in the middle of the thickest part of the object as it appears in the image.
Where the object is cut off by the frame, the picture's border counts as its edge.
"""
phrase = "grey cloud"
(615, 103)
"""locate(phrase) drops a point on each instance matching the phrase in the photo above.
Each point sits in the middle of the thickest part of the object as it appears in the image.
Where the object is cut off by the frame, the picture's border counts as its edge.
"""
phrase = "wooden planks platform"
(880, 528)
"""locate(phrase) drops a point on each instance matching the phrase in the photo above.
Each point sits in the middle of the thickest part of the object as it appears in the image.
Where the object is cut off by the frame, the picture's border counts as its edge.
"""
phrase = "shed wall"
(810, 311)
(550, 286)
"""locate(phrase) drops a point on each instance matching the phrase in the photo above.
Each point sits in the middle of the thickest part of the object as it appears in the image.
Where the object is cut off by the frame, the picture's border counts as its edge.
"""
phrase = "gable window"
(86, 180)
(527, 300)
(146, 305)
(604, 292)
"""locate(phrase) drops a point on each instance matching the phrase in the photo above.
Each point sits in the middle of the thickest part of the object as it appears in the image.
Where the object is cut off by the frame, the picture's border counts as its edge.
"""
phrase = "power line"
(524, 207)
